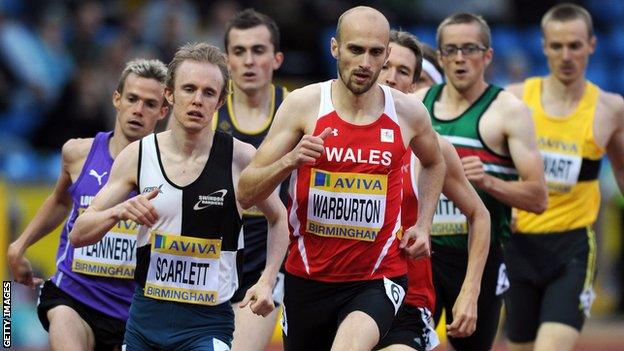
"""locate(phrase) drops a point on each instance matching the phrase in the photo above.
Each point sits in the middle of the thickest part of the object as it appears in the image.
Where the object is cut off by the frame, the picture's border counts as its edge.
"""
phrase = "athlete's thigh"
(568, 298)
(553, 336)
(357, 332)
(523, 302)
(205, 343)
(68, 330)
(412, 329)
(252, 332)
(493, 284)
(370, 312)
(449, 270)
(309, 315)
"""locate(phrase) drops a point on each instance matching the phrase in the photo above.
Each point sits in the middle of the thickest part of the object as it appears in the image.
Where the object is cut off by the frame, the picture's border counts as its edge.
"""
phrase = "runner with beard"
(343, 141)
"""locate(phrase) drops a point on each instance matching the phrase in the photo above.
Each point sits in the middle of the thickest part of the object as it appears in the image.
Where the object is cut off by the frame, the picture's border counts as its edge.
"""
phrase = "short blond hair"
(568, 12)
(199, 52)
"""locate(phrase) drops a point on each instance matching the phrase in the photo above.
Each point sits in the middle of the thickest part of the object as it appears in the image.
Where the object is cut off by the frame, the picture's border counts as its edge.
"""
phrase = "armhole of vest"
(228, 140)
(389, 107)
(90, 155)
(528, 90)
(486, 106)
(430, 98)
(139, 165)
(325, 100)
(413, 180)
(602, 150)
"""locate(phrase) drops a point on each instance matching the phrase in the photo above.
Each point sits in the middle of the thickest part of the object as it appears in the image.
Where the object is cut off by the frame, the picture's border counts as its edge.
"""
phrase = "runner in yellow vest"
(550, 260)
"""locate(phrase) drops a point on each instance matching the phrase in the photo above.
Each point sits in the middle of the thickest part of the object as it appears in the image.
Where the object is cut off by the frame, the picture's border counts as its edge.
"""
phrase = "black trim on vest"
(590, 169)
(142, 264)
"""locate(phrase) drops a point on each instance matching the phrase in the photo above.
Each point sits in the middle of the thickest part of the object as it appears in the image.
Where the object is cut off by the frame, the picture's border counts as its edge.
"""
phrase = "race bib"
(114, 256)
(395, 293)
(561, 170)
(448, 219)
(183, 269)
(346, 205)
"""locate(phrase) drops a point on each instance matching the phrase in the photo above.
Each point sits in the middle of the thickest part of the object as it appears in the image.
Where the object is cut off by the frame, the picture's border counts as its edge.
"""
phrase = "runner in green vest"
(494, 136)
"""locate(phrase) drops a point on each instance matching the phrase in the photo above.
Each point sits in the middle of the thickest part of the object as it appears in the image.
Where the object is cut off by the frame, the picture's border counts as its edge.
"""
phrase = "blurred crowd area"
(60, 61)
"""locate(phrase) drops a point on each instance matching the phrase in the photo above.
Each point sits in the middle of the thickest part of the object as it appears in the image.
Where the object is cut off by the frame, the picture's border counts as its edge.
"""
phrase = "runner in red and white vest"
(413, 326)
(343, 141)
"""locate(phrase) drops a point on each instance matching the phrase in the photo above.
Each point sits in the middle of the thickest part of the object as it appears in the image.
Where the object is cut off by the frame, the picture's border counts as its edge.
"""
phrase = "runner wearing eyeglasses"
(495, 139)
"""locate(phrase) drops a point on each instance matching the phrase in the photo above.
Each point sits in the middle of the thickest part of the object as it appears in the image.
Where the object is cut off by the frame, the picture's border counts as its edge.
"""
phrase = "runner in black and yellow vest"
(551, 257)
(493, 135)
(253, 51)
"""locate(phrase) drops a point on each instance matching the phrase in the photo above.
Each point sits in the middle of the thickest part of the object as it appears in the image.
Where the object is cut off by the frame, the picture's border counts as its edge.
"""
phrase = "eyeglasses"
(466, 50)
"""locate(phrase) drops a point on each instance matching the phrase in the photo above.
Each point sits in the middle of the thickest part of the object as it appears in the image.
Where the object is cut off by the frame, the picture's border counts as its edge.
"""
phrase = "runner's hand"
(259, 298)
(416, 243)
(309, 149)
(474, 170)
(464, 315)
(21, 268)
(139, 209)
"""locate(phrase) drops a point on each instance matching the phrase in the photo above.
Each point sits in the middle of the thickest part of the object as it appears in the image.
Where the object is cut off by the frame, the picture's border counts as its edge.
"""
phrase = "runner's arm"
(431, 178)
(108, 207)
(615, 146)
(284, 150)
(260, 294)
(50, 215)
(529, 193)
(459, 190)
(277, 236)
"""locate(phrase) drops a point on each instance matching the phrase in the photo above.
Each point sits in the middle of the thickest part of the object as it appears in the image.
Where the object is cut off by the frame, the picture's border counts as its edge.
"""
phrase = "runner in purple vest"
(84, 306)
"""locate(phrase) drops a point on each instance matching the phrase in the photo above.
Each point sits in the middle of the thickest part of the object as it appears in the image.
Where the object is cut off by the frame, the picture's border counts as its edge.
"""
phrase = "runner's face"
(195, 96)
(567, 47)
(252, 58)
(463, 70)
(398, 71)
(140, 106)
(361, 53)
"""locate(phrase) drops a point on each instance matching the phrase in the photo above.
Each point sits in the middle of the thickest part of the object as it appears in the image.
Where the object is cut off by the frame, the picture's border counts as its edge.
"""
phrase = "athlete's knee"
(525, 346)
(358, 331)
(68, 328)
(62, 313)
(553, 336)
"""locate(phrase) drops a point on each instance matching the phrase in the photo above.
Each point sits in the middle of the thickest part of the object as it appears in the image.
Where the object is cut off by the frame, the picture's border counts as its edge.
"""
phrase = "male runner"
(551, 257)
(343, 140)
(187, 262)
(412, 329)
(494, 137)
(252, 44)
(85, 304)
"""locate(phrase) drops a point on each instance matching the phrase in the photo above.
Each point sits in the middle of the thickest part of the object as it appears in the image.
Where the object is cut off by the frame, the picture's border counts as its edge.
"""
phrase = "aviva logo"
(186, 246)
(372, 184)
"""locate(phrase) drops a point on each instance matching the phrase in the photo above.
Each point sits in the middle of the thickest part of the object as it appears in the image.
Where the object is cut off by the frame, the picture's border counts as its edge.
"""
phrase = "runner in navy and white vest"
(85, 304)
(188, 263)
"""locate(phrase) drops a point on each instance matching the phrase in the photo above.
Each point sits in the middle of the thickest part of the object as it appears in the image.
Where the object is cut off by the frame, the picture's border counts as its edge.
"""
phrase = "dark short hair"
(568, 12)
(466, 18)
(409, 41)
(199, 52)
(250, 18)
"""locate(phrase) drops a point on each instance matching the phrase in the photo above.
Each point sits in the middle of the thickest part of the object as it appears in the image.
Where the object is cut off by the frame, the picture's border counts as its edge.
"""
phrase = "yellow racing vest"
(571, 163)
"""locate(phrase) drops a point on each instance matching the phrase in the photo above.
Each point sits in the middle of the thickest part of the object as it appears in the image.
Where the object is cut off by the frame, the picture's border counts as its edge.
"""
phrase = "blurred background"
(60, 60)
